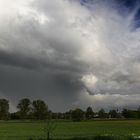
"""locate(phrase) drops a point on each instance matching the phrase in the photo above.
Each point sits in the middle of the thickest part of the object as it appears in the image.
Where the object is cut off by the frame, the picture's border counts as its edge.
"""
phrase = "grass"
(68, 130)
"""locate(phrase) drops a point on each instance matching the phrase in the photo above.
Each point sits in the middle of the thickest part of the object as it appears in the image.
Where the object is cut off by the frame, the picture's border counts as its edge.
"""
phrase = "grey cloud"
(56, 49)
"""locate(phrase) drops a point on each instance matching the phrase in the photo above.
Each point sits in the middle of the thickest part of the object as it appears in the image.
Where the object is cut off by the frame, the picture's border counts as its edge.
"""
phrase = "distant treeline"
(38, 110)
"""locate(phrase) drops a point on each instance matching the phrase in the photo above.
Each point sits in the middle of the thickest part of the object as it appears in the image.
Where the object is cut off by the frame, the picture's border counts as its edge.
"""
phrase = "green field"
(25, 130)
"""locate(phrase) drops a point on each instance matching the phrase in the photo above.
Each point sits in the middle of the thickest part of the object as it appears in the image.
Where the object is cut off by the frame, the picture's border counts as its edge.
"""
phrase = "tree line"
(38, 109)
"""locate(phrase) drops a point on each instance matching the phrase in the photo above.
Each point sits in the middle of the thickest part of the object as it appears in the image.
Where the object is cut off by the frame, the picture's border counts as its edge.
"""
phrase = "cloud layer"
(70, 53)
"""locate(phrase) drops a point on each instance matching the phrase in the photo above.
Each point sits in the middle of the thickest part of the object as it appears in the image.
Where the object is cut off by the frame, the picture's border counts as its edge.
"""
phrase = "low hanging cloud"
(62, 50)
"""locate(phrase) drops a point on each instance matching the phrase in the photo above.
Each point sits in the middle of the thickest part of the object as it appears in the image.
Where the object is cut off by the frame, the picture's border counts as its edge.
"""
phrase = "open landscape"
(15, 130)
(69, 69)
(33, 120)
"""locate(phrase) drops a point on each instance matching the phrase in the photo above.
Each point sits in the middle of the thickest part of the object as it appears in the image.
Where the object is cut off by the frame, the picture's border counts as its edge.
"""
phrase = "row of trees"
(38, 109)
(78, 114)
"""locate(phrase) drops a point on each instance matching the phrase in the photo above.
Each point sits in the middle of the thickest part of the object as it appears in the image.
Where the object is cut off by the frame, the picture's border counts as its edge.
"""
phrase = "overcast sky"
(71, 53)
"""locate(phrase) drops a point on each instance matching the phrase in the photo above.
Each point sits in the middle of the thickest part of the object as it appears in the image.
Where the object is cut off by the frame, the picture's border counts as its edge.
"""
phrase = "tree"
(129, 113)
(89, 113)
(77, 115)
(40, 109)
(24, 108)
(68, 115)
(138, 112)
(4, 109)
(49, 128)
(113, 114)
(102, 114)
(14, 116)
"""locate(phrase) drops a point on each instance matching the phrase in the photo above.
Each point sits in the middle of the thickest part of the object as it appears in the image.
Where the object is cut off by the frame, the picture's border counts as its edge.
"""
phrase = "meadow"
(16, 130)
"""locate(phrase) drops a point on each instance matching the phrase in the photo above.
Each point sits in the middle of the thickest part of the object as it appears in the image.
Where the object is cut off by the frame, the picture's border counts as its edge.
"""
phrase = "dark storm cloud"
(54, 88)
(16, 60)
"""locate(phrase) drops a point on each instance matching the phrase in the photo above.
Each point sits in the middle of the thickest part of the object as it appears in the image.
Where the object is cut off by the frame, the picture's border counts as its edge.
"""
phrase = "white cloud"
(90, 82)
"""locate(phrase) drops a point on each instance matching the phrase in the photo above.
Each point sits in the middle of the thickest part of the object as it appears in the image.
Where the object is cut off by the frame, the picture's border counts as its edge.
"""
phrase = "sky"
(71, 53)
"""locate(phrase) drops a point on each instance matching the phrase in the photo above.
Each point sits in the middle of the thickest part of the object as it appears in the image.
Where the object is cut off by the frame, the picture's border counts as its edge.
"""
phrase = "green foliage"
(40, 109)
(4, 109)
(24, 108)
(89, 113)
(113, 114)
(130, 113)
(15, 116)
(102, 114)
(77, 115)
